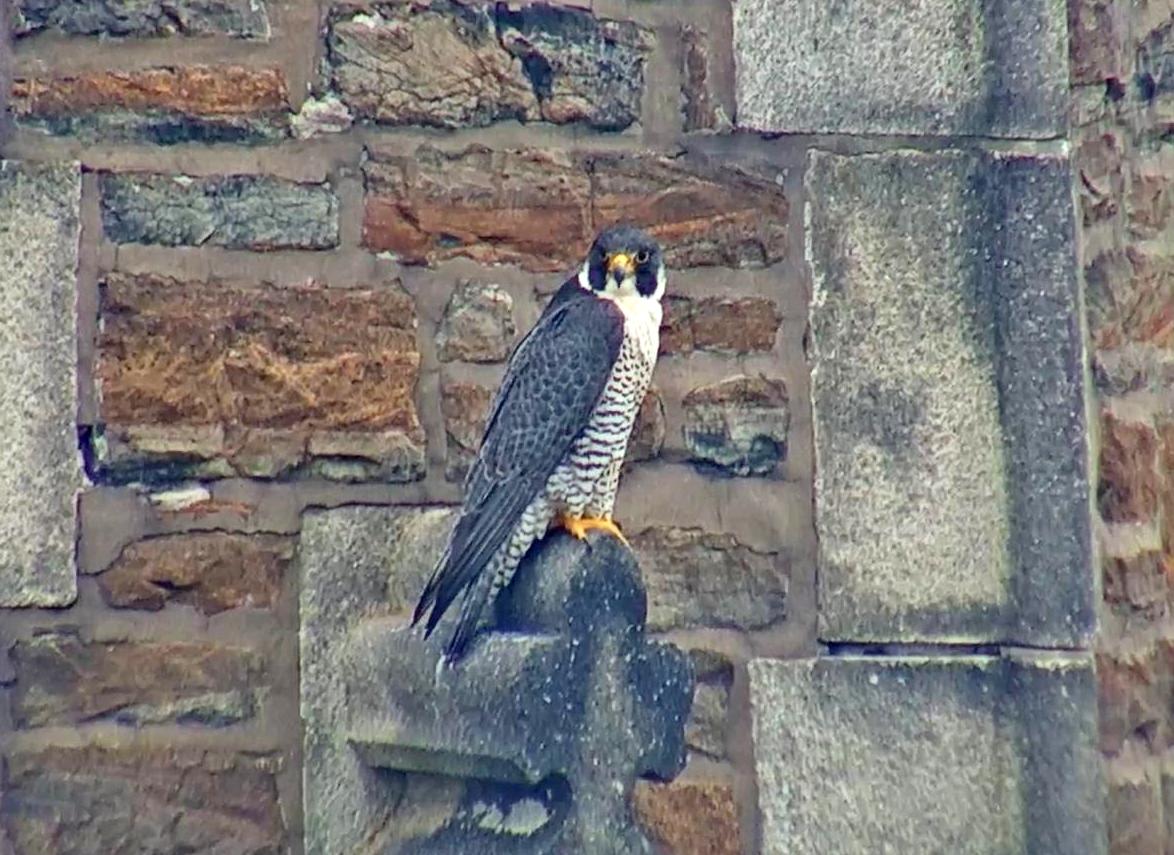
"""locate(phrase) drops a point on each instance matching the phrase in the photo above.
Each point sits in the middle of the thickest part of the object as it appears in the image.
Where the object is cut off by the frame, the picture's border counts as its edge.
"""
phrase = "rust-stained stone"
(198, 90)
(61, 679)
(689, 817)
(212, 571)
(465, 407)
(257, 378)
(478, 324)
(697, 578)
(163, 106)
(739, 325)
(1097, 31)
(99, 800)
(1129, 481)
(1166, 467)
(703, 213)
(1140, 584)
(540, 209)
(1151, 196)
(528, 208)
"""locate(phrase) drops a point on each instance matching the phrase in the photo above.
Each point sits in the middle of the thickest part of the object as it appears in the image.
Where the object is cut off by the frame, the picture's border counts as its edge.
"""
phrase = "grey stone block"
(242, 18)
(233, 211)
(967, 755)
(897, 67)
(40, 473)
(540, 731)
(952, 496)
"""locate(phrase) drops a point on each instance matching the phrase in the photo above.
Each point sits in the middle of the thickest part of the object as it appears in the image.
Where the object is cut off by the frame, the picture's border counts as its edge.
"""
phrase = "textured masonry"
(42, 473)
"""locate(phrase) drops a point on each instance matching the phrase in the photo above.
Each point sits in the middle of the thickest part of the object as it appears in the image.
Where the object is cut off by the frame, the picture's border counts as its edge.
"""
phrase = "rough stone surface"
(540, 209)
(212, 571)
(690, 816)
(41, 473)
(738, 425)
(958, 754)
(161, 106)
(478, 324)
(98, 800)
(207, 380)
(926, 67)
(705, 732)
(241, 18)
(738, 325)
(1128, 471)
(696, 578)
(451, 65)
(233, 211)
(465, 407)
(61, 679)
(561, 700)
(951, 477)
(1135, 817)
(648, 431)
(699, 103)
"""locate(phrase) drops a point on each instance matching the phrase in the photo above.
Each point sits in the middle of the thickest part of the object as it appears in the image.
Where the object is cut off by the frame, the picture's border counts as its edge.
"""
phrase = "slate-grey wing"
(552, 385)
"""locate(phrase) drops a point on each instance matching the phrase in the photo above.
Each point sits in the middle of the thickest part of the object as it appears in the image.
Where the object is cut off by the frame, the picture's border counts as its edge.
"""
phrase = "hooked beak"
(620, 266)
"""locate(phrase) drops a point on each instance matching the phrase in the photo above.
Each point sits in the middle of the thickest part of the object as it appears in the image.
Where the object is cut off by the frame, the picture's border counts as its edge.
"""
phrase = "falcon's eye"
(642, 257)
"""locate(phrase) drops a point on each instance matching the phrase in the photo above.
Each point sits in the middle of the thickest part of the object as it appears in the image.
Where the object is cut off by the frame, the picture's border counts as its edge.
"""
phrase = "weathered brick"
(241, 18)
(211, 571)
(1139, 585)
(97, 800)
(478, 324)
(1128, 486)
(450, 64)
(739, 425)
(163, 106)
(465, 407)
(234, 211)
(690, 816)
(703, 212)
(697, 578)
(739, 325)
(220, 379)
(540, 209)
(61, 679)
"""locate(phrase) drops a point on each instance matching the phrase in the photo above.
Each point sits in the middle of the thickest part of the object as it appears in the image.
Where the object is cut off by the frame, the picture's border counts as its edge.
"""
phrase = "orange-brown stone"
(304, 358)
(213, 571)
(689, 817)
(196, 90)
(1129, 483)
(741, 325)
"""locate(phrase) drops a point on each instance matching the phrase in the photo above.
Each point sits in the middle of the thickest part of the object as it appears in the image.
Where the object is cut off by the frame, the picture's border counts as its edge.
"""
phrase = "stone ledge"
(959, 754)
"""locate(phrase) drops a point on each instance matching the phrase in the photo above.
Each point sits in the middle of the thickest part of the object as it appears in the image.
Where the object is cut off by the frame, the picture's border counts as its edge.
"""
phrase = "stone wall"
(278, 252)
(1123, 117)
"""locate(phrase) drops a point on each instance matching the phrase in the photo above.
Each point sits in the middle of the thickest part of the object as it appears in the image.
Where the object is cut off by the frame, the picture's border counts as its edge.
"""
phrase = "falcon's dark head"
(624, 262)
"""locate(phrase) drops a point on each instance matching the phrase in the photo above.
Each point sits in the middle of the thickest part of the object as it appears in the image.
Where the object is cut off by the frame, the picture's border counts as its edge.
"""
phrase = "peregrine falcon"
(558, 428)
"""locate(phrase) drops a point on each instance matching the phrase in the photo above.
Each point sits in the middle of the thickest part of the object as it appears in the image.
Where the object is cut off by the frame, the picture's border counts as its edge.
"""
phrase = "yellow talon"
(579, 526)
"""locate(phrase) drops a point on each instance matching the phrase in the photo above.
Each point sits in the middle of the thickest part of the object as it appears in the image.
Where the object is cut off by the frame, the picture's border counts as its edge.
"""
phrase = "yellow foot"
(579, 526)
